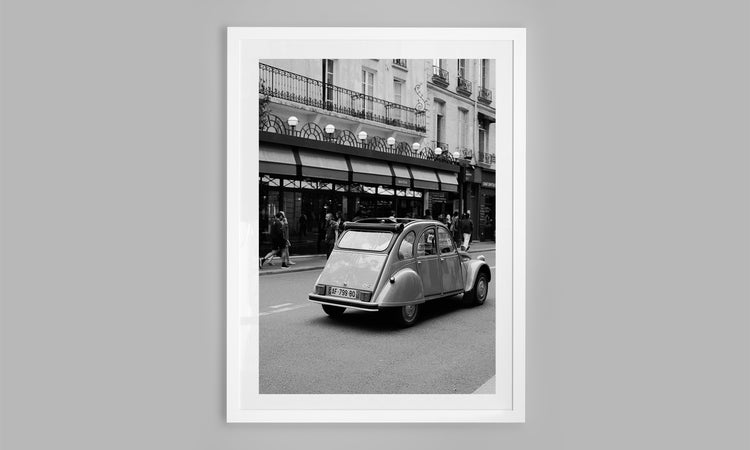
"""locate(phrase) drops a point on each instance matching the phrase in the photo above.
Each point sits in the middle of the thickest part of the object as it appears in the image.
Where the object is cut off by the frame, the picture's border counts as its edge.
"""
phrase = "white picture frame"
(245, 47)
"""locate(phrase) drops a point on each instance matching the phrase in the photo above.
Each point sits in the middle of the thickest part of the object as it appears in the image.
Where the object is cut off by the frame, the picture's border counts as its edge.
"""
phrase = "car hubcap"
(409, 312)
(481, 290)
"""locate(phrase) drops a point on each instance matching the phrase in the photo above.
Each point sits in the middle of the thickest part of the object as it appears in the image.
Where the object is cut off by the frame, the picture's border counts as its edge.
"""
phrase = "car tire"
(405, 316)
(478, 294)
(333, 311)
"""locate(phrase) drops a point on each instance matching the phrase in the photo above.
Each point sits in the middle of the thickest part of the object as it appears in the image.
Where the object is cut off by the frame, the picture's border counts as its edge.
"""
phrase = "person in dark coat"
(467, 229)
(278, 243)
(331, 233)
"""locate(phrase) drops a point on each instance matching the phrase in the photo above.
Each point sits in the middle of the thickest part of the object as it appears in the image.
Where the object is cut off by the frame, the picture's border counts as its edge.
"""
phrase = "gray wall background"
(113, 194)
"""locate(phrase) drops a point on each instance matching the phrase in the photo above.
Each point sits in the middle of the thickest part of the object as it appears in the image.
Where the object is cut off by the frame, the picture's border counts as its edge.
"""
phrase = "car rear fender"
(473, 267)
(405, 289)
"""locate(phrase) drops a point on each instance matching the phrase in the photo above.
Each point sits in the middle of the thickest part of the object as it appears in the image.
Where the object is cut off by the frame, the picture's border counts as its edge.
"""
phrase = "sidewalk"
(317, 262)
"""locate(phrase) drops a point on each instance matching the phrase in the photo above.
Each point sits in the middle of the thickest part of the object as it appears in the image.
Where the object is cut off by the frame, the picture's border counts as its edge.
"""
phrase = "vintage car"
(396, 265)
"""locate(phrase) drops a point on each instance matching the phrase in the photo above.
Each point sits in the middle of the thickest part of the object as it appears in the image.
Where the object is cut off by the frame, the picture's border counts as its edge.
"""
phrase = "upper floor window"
(486, 73)
(462, 68)
(368, 89)
(328, 80)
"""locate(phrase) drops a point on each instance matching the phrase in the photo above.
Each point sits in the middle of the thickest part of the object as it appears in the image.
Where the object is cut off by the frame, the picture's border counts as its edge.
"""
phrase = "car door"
(450, 262)
(428, 263)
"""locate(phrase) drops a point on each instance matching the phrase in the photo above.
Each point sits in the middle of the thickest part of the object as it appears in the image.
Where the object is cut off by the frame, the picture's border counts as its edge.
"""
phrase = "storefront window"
(292, 184)
(306, 184)
(324, 186)
(382, 190)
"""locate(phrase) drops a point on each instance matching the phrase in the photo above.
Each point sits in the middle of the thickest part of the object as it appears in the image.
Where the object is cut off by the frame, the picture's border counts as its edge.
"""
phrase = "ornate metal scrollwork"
(273, 124)
(421, 101)
(403, 148)
(378, 143)
(312, 131)
(346, 137)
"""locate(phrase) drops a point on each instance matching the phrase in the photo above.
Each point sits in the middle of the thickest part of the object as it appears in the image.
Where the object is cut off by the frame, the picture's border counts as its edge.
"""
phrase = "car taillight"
(320, 289)
(365, 296)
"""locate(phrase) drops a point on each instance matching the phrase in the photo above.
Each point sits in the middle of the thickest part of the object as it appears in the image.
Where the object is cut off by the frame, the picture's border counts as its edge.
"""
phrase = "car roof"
(393, 224)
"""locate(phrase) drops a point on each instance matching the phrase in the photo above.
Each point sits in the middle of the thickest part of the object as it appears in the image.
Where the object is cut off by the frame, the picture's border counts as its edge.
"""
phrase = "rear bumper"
(335, 301)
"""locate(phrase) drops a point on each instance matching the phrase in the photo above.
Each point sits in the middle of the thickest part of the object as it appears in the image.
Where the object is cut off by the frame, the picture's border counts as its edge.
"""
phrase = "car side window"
(446, 241)
(426, 245)
(406, 249)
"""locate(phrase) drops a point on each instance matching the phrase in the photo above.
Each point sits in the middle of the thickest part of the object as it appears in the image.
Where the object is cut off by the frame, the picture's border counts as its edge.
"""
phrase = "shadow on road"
(382, 322)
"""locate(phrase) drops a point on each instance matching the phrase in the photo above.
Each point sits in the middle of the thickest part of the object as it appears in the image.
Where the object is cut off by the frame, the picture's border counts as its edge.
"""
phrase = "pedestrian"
(427, 215)
(285, 232)
(331, 233)
(467, 229)
(455, 228)
(278, 243)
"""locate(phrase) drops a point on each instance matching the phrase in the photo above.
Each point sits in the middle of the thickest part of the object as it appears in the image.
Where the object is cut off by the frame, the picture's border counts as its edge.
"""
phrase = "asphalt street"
(451, 350)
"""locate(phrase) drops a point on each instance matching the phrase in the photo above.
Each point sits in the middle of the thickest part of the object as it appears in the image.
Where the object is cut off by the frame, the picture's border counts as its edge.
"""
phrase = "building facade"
(372, 138)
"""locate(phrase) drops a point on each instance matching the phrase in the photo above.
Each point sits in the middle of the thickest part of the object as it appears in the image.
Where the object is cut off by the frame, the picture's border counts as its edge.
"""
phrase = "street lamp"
(391, 142)
(456, 155)
(362, 137)
(415, 147)
(329, 130)
(292, 121)
(438, 151)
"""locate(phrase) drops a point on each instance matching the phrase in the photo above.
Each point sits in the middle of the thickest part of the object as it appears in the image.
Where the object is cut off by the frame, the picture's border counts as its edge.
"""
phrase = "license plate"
(343, 292)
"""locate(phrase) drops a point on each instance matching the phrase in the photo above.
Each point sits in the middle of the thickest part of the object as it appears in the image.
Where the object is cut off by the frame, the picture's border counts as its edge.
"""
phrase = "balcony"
(282, 84)
(486, 158)
(464, 87)
(400, 62)
(485, 95)
(312, 134)
(440, 76)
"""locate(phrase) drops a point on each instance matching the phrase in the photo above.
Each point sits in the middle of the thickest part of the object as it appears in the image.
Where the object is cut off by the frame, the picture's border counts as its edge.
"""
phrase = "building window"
(439, 121)
(368, 91)
(482, 137)
(398, 88)
(328, 83)
(486, 73)
(462, 68)
(463, 127)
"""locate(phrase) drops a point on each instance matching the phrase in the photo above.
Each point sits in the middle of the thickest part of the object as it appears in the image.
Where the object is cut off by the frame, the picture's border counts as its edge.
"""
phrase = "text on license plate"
(343, 292)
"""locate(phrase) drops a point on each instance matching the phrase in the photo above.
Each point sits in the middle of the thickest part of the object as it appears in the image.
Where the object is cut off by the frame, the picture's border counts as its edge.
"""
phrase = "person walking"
(455, 228)
(467, 229)
(278, 243)
(331, 233)
(285, 232)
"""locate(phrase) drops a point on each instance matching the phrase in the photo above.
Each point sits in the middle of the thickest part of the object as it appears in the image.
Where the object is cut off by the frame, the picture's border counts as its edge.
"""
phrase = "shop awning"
(448, 181)
(323, 165)
(425, 179)
(403, 177)
(369, 171)
(277, 161)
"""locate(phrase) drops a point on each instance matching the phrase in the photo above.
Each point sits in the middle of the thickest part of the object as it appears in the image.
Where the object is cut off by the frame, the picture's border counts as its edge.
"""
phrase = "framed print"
(375, 225)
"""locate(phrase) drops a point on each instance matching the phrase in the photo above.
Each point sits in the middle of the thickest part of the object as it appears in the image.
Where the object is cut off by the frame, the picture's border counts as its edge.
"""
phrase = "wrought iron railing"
(487, 158)
(273, 124)
(440, 75)
(465, 153)
(464, 86)
(485, 95)
(443, 146)
(400, 62)
(291, 86)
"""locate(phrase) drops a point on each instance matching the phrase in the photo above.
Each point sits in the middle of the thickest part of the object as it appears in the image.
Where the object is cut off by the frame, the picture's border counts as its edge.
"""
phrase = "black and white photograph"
(371, 205)
(372, 202)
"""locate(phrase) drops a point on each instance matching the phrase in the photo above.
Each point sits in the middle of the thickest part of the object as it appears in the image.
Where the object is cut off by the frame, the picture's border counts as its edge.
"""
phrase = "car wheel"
(334, 311)
(478, 294)
(406, 315)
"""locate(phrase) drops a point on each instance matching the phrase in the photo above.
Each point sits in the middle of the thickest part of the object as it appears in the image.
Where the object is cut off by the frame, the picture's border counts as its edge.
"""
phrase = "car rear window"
(365, 240)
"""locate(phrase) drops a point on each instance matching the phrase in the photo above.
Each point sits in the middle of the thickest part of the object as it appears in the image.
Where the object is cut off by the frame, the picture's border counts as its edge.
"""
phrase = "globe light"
(391, 141)
(456, 155)
(330, 129)
(438, 151)
(362, 135)
(415, 146)
(292, 121)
